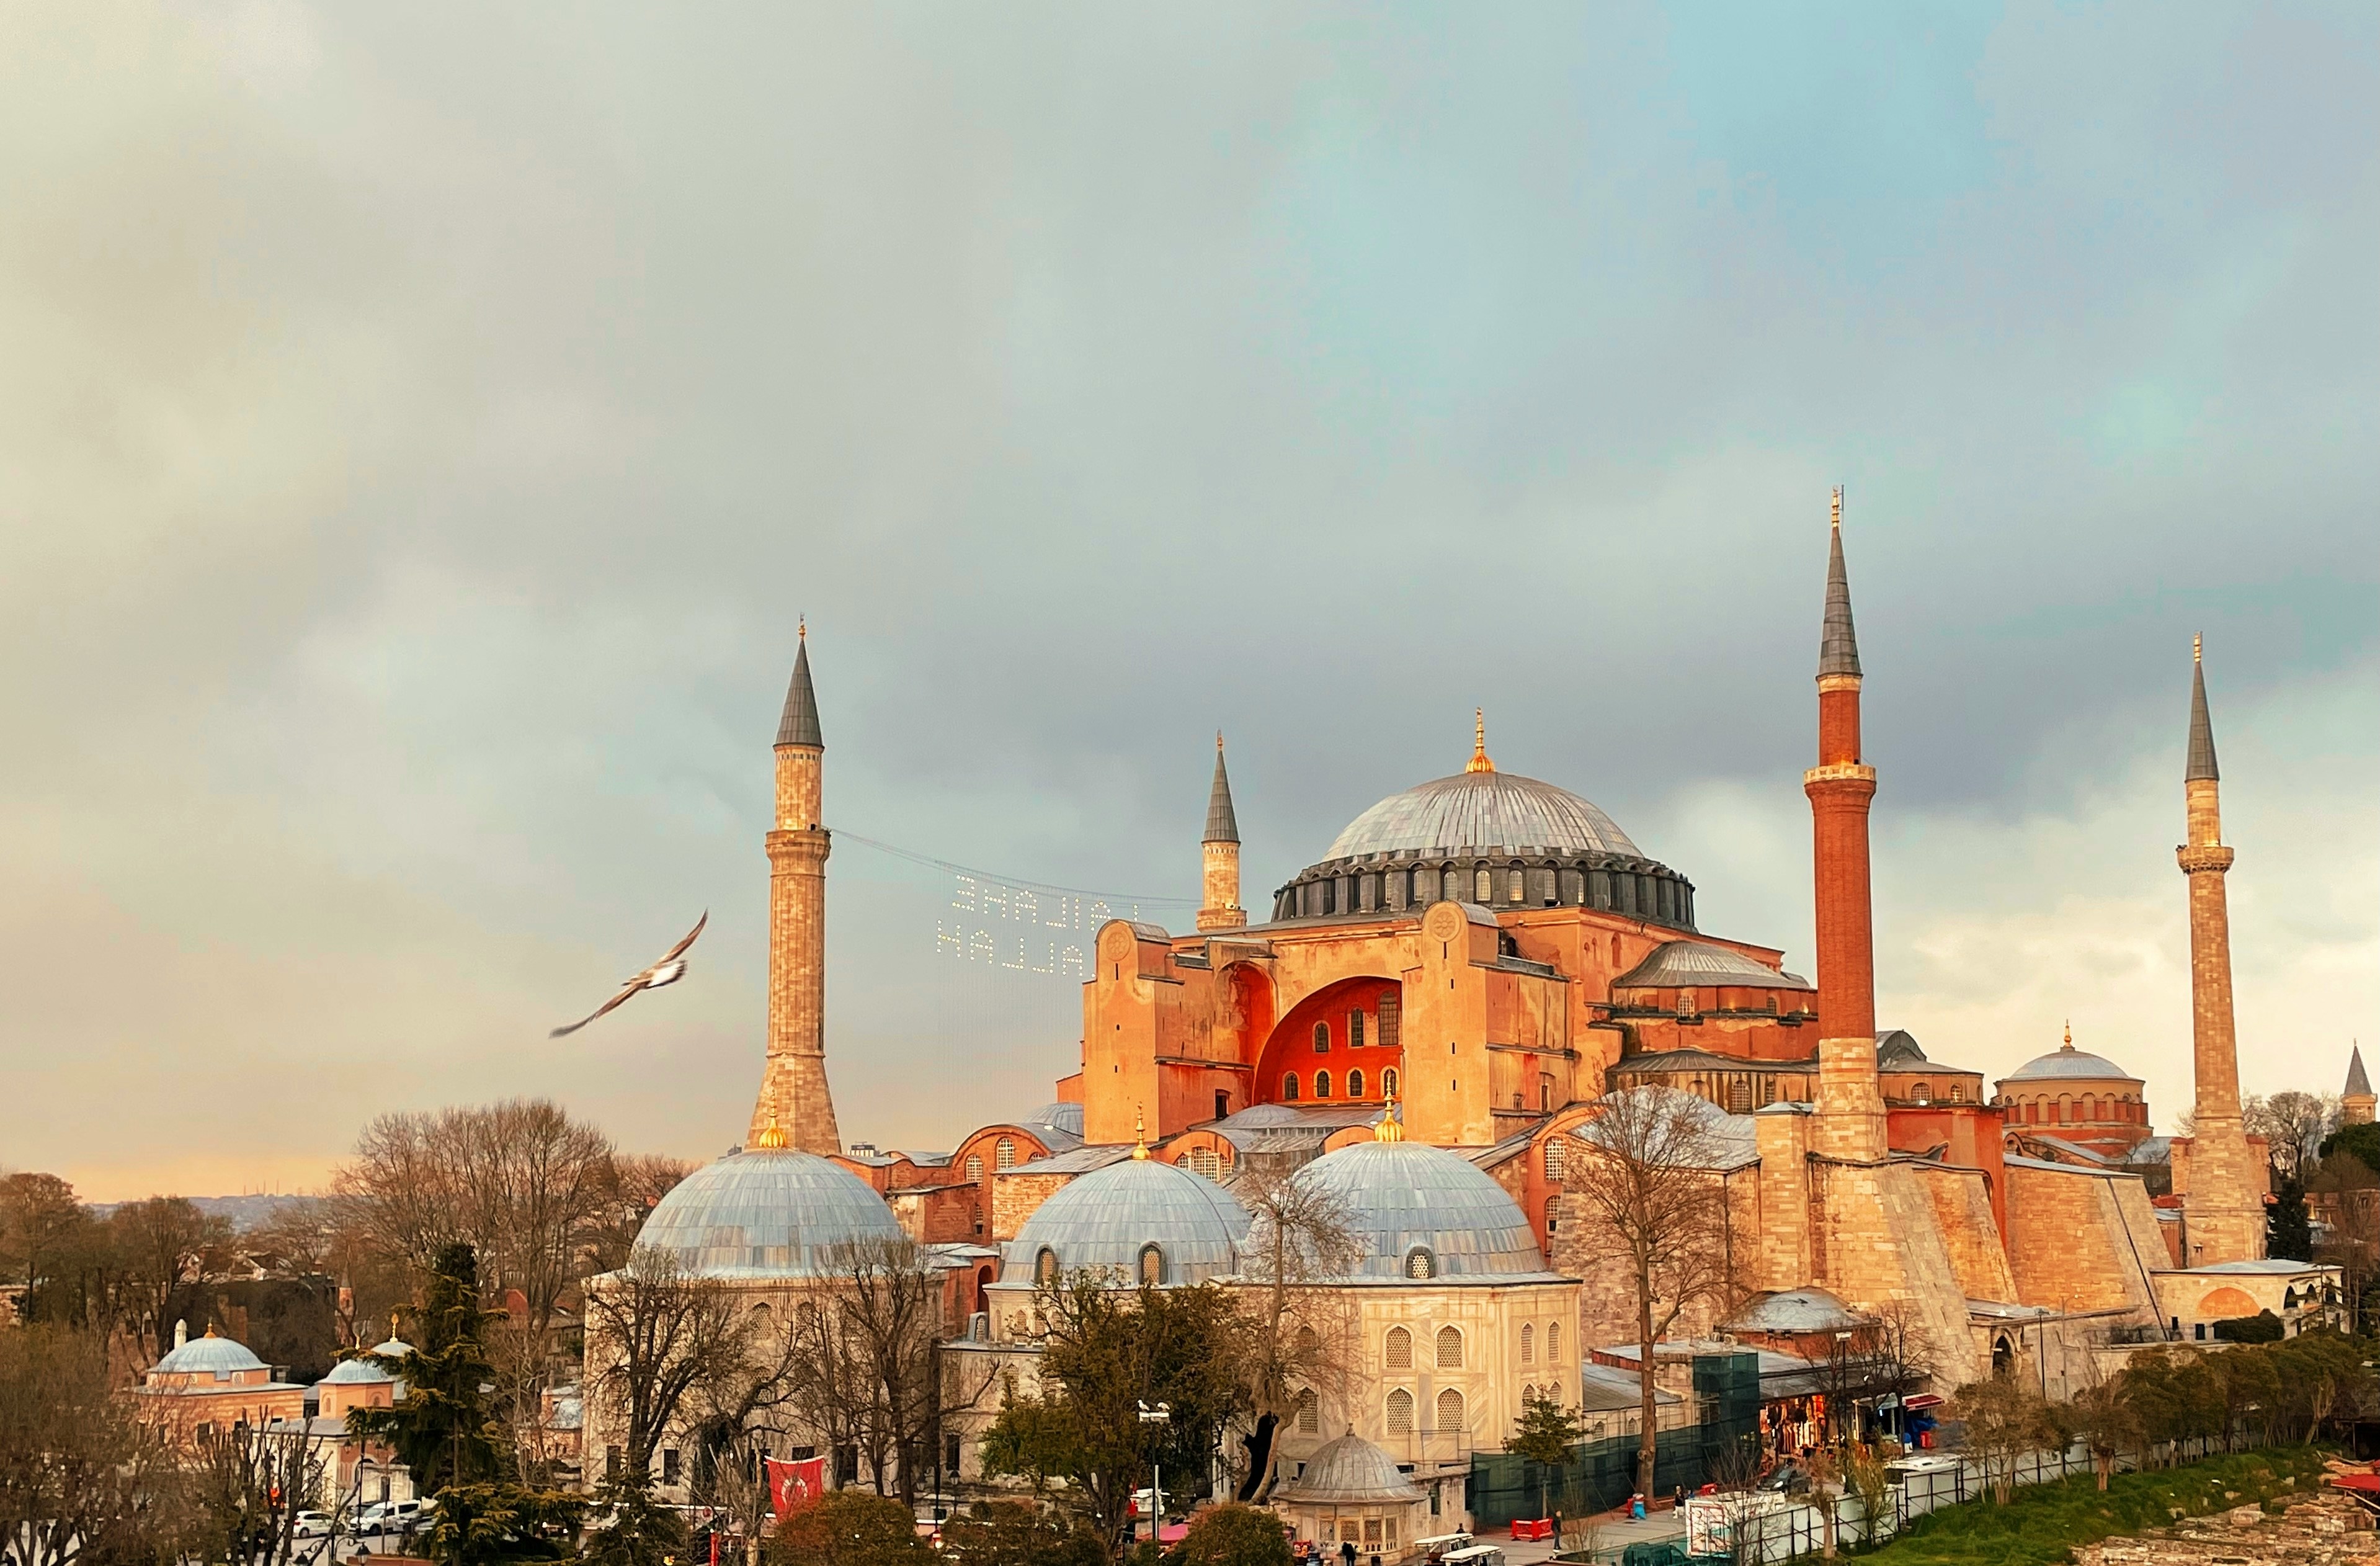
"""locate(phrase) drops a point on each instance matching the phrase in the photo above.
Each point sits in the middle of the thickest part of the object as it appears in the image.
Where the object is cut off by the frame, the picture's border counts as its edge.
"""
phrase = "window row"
(2089, 1111)
(1398, 1408)
(1003, 1157)
(1643, 894)
(1292, 1089)
(1358, 1029)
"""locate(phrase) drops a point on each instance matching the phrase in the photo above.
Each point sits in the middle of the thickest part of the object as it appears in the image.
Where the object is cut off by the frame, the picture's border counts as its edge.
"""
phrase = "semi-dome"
(209, 1355)
(767, 1212)
(1140, 1219)
(1423, 1212)
(1481, 811)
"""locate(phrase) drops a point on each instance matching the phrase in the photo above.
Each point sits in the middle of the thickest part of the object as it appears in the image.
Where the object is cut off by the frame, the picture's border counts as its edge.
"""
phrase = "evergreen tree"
(2289, 1236)
(441, 1429)
(1546, 1433)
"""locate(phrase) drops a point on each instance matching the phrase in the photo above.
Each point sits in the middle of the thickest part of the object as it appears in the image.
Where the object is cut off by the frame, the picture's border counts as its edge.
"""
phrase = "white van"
(389, 1517)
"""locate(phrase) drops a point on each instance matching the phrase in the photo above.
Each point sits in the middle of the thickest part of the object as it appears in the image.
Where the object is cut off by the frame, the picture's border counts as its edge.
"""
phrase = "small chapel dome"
(1425, 1213)
(358, 1372)
(207, 1355)
(1351, 1471)
(1140, 1219)
(767, 1212)
(2068, 1062)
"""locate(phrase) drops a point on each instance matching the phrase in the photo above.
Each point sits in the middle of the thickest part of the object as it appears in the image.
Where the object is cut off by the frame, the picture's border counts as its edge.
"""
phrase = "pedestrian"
(1346, 1552)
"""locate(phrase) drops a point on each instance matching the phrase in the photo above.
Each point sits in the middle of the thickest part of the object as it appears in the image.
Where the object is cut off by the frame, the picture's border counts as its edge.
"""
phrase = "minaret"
(2223, 1216)
(1841, 786)
(1219, 855)
(796, 1108)
(2355, 1101)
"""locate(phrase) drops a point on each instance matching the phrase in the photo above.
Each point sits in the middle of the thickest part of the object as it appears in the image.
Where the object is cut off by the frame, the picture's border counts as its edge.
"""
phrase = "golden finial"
(1838, 508)
(1480, 762)
(1140, 1136)
(771, 1135)
(1388, 1128)
(2197, 648)
(1218, 742)
(2070, 1033)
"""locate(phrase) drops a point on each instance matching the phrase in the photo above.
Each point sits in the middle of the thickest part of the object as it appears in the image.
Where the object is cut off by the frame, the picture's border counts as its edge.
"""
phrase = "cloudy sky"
(420, 428)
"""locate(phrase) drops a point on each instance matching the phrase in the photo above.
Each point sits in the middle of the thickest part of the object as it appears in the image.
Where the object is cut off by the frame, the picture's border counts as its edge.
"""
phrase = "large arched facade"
(1342, 1044)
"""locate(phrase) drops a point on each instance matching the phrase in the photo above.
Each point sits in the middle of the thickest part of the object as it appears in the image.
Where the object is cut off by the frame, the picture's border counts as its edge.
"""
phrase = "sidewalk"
(1613, 1533)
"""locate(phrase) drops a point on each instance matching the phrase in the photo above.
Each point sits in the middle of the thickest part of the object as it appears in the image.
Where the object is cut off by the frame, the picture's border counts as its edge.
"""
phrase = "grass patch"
(2043, 1524)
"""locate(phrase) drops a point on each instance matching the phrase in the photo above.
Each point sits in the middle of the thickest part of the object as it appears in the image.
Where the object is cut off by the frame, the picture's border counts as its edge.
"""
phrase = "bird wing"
(614, 1000)
(678, 951)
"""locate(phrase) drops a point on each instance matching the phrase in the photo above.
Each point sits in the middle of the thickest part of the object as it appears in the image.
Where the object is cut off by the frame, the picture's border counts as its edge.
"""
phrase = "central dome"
(1481, 811)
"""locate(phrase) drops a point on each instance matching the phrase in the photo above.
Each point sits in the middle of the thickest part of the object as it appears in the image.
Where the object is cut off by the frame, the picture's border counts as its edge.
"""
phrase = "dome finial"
(1140, 1136)
(1480, 762)
(1388, 1128)
(772, 1136)
(2070, 1033)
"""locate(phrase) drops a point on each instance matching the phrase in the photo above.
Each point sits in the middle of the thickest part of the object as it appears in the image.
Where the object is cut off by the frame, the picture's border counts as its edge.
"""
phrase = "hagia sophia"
(1427, 1025)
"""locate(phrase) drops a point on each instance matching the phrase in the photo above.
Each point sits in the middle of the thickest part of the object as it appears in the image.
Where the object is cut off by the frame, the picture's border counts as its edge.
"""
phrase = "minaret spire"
(1220, 854)
(2223, 1216)
(795, 1107)
(1838, 642)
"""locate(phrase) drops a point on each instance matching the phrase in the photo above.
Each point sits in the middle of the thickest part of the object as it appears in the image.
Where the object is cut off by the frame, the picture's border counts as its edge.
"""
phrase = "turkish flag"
(794, 1483)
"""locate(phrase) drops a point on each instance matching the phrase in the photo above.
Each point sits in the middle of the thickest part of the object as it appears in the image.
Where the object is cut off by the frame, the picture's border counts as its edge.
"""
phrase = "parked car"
(390, 1517)
(1786, 1479)
(312, 1525)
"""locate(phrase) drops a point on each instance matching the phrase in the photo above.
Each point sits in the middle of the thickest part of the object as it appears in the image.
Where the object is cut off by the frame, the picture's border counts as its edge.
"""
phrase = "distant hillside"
(245, 1212)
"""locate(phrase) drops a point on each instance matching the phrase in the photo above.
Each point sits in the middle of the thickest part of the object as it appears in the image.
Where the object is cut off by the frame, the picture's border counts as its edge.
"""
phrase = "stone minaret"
(1219, 855)
(2355, 1101)
(794, 1108)
(2223, 1216)
(1851, 1104)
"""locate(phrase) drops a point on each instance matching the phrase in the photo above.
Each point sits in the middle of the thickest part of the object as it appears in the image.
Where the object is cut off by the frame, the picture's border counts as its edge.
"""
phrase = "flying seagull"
(669, 970)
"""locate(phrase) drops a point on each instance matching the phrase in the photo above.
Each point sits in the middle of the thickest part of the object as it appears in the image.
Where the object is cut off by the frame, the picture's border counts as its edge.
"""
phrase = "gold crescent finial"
(1390, 1128)
(802, 627)
(1480, 762)
(1838, 508)
(1140, 1136)
(772, 1134)
(1218, 742)
(2070, 1033)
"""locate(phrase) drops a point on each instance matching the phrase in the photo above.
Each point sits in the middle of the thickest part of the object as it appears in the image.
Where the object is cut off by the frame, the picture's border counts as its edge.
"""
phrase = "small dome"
(209, 1355)
(2070, 1063)
(1107, 1217)
(767, 1212)
(358, 1372)
(1351, 1471)
(1473, 810)
(1408, 1197)
(1678, 963)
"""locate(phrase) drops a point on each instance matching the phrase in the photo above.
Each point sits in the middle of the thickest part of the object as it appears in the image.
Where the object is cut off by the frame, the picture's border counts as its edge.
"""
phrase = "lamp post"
(1162, 1413)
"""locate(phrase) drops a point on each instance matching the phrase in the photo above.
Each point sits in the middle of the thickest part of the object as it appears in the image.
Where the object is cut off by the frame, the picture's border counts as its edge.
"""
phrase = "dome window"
(1398, 1352)
(1045, 1269)
(1450, 1348)
(1400, 1413)
(1484, 884)
(1419, 1263)
(1004, 1155)
(1202, 1160)
(1516, 888)
(1152, 1265)
(974, 1166)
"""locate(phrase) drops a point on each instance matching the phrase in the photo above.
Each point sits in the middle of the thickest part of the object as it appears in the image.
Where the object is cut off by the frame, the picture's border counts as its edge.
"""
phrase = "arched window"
(1554, 1147)
(1204, 1161)
(1289, 1089)
(1355, 1030)
(1004, 1155)
(1045, 1269)
(1518, 891)
(1484, 883)
(1308, 1343)
(1419, 1263)
(1615, 953)
(1957, 1093)
(1322, 1085)
(1152, 1265)
(1739, 1097)
(1399, 1352)
(1553, 1214)
(1553, 1342)
(1400, 1413)
(1450, 1348)
(1923, 1093)
(1309, 1412)
(974, 1166)
(1388, 1083)
(1355, 1084)
(1450, 1411)
(1322, 1039)
(1528, 1344)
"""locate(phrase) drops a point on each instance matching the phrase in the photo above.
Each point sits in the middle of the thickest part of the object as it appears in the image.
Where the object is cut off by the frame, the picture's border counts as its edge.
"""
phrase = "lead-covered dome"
(210, 1356)
(1481, 811)
(767, 1212)
(2070, 1063)
(1138, 1219)
(1424, 1212)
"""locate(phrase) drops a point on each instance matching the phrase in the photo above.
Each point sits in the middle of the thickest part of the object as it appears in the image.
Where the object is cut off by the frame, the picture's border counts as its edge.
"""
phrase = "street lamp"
(1161, 1415)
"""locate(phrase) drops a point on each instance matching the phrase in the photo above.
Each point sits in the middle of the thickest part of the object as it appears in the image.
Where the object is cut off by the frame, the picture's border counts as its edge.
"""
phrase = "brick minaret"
(1219, 855)
(1841, 786)
(795, 1103)
(2223, 1217)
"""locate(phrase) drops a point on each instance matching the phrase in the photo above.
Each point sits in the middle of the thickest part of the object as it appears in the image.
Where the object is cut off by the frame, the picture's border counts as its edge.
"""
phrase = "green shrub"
(2262, 1328)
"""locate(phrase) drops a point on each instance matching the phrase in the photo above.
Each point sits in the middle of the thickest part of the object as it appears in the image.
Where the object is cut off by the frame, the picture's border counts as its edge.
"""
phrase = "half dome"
(1110, 1219)
(1422, 1212)
(767, 1212)
(1473, 811)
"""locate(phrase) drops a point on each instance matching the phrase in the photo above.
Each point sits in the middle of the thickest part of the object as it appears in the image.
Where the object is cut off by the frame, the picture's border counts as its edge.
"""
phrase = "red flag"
(792, 1484)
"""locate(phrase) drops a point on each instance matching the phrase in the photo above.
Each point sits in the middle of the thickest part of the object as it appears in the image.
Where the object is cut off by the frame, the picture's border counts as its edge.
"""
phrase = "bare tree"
(40, 1220)
(1299, 1334)
(2294, 1126)
(635, 1185)
(656, 1335)
(249, 1486)
(78, 1474)
(1646, 1173)
(163, 1248)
